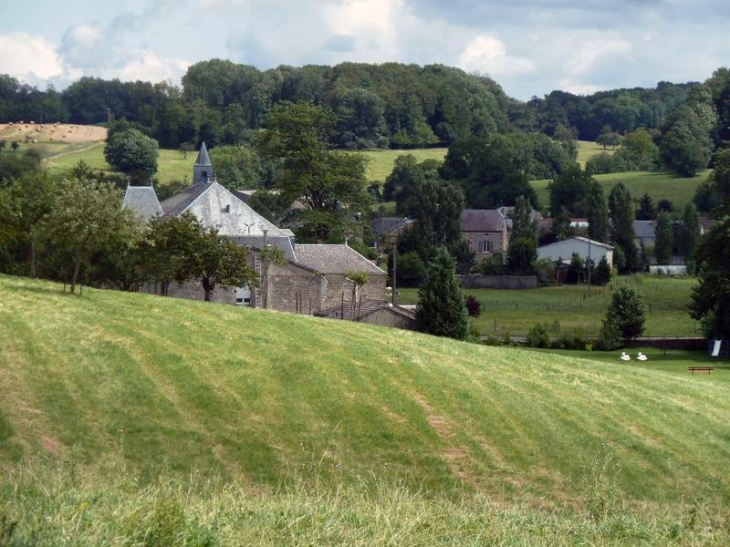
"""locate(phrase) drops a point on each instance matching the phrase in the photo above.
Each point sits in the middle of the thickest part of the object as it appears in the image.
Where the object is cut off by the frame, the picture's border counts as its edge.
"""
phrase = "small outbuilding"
(562, 251)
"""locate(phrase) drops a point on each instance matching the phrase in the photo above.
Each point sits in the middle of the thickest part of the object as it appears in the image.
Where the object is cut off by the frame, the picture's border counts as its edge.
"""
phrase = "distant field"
(586, 149)
(171, 164)
(382, 161)
(570, 307)
(659, 185)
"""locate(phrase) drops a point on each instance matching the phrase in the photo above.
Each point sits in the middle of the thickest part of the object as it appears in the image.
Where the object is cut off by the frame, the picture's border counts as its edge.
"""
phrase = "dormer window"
(227, 208)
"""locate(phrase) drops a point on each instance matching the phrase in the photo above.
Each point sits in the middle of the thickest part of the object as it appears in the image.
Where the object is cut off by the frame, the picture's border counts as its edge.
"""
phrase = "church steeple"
(203, 168)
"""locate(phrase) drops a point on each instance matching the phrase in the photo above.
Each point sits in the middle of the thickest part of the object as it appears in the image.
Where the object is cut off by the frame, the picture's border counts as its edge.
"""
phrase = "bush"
(602, 273)
(609, 338)
(626, 312)
(473, 307)
(130, 151)
(538, 337)
(492, 265)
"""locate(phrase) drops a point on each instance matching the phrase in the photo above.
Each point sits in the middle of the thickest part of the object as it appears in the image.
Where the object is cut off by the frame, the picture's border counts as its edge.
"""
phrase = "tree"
(710, 303)
(597, 213)
(689, 233)
(647, 210)
(25, 205)
(561, 228)
(664, 239)
(15, 145)
(441, 310)
(330, 184)
(627, 312)
(358, 279)
(87, 218)
(132, 152)
(621, 211)
(568, 190)
(602, 273)
(522, 251)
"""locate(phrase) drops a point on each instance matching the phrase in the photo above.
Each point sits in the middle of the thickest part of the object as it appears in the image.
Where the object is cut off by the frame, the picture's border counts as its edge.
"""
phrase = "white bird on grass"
(641, 357)
(625, 356)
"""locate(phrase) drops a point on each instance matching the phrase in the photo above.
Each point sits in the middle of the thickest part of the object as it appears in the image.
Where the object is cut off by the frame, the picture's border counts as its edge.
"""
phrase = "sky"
(529, 47)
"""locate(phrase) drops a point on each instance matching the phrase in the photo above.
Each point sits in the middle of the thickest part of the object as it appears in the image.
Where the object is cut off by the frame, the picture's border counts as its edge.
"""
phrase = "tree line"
(222, 102)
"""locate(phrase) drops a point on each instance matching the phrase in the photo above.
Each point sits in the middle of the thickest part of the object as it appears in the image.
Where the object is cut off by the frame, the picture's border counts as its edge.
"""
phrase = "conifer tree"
(627, 312)
(441, 310)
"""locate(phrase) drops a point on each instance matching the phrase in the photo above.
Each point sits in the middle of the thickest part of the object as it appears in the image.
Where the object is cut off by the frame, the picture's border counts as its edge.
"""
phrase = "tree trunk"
(75, 277)
(32, 257)
(208, 287)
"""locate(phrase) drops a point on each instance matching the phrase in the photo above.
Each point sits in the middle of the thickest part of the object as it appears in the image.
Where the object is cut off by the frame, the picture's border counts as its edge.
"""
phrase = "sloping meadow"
(111, 400)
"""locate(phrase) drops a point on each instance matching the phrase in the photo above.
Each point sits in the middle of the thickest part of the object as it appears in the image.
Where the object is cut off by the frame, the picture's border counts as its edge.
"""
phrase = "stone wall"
(293, 289)
(334, 285)
(518, 282)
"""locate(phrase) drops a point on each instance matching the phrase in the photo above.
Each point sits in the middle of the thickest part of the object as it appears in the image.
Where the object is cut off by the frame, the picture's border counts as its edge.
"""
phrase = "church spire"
(203, 168)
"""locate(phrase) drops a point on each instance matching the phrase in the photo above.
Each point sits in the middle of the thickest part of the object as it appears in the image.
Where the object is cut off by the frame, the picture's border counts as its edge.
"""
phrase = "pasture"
(571, 308)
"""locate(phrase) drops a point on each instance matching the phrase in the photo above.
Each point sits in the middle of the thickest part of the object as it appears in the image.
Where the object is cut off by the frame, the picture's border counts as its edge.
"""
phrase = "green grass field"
(235, 422)
(381, 162)
(573, 309)
(586, 149)
(661, 185)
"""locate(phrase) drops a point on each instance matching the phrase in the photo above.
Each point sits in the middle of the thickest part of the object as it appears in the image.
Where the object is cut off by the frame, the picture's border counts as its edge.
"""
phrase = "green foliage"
(627, 312)
(689, 232)
(538, 336)
(686, 143)
(521, 256)
(132, 152)
(647, 210)
(15, 166)
(602, 273)
(473, 307)
(330, 184)
(664, 239)
(561, 228)
(441, 310)
(597, 213)
(411, 269)
(576, 270)
(621, 212)
(568, 190)
(241, 168)
(493, 264)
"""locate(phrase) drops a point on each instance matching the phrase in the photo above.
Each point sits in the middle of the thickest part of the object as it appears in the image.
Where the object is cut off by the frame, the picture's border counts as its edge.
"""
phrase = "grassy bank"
(572, 308)
(335, 425)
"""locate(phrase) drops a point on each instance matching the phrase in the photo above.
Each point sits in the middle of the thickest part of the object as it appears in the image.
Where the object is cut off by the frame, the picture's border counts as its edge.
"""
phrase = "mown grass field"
(586, 149)
(572, 309)
(233, 422)
(381, 162)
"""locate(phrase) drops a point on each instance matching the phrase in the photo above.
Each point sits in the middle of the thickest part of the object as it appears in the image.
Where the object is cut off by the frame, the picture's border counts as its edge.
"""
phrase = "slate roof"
(387, 225)
(176, 205)
(334, 259)
(203, 158)
(482, 220)
(593, 243)
(257, 242)
(143, 201)
(364, 308)
(644, 229)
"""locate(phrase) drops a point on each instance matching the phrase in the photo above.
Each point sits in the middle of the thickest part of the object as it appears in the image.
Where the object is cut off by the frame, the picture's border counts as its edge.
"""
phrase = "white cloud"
(593, 48)
(222, 3)
(578, 88)
(29, 58)
(488, 54)
(147, 66)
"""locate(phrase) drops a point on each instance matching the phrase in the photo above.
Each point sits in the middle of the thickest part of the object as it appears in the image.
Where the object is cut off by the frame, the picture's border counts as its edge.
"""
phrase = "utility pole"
(395, 253)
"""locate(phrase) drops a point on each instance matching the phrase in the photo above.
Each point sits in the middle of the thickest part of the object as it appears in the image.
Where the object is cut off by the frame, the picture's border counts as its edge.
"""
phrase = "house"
(387, 230)
(562, 251)
(311, 277)
(334, 262)
(485, 231)
(644, 233)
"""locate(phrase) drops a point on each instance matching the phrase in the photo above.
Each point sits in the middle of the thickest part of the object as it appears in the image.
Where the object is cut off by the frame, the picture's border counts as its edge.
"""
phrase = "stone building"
(312, 277)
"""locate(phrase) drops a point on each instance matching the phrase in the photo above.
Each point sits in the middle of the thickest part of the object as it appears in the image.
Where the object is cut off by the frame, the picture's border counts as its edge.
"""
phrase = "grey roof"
(387, 225)
(482, 220)
(644, 229)
(257, 242)
(177, 204)
(143, 201)
(563, 242)
(334, 259)
(363, 309)
(203, 158)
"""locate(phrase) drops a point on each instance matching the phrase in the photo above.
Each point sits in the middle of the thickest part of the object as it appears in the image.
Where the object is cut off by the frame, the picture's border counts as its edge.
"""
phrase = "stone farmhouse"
(487, 231)
(313, 276)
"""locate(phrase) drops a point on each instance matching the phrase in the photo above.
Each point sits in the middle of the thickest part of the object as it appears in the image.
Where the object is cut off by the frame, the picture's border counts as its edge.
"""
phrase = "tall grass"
(55, 505)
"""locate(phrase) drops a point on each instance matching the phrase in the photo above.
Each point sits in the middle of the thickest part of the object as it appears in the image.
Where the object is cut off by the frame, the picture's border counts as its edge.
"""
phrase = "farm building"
(562, 251)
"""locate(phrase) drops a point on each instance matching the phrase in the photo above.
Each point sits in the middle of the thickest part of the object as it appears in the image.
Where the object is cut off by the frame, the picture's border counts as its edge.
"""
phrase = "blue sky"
(530, 47)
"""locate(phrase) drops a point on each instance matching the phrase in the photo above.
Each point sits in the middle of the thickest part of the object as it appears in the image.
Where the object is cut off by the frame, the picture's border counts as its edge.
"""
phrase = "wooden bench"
(701, 370)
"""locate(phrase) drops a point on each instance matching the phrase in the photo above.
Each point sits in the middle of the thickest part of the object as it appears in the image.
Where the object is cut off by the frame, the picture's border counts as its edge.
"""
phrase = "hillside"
(170, 383)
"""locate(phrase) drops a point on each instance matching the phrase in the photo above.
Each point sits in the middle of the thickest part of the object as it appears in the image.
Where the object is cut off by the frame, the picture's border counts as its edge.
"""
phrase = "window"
(485, 246)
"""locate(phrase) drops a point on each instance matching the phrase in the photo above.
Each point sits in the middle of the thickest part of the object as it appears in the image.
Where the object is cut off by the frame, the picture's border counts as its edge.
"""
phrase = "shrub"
(492, 265)
(609, 338)
(627, 312)
(473, 307)
(538, 337)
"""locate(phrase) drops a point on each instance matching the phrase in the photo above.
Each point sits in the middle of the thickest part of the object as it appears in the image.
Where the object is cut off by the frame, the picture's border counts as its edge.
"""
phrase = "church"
(311, 281)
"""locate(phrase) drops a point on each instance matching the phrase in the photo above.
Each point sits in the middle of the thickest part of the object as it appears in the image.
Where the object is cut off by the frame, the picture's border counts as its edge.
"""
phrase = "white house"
(584, 247)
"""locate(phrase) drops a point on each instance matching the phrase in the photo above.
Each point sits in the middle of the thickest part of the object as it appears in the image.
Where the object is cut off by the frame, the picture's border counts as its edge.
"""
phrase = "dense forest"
(376, 106)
